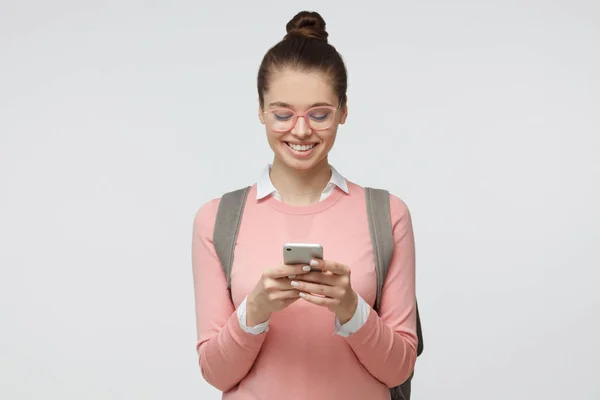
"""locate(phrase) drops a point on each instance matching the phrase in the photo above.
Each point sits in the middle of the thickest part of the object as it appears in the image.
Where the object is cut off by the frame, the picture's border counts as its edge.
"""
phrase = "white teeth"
(301, 148)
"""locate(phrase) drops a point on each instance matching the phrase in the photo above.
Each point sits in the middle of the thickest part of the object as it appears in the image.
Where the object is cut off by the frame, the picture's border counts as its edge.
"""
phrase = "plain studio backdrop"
(119, 119)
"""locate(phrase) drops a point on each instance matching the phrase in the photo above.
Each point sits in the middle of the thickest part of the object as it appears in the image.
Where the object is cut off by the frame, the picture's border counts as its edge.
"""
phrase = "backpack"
(229, 216)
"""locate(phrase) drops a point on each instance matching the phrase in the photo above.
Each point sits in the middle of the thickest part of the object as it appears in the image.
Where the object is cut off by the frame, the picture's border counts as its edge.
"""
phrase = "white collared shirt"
(265, 188)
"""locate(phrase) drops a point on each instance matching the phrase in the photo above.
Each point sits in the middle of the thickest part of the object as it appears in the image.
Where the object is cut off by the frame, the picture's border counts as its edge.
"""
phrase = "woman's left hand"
(330, 288)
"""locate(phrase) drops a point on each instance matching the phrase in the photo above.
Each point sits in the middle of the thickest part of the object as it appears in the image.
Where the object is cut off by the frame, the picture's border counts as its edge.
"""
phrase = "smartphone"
(301, 253)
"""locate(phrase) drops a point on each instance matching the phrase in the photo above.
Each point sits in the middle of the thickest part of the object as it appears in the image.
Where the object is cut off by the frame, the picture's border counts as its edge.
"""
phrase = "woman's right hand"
(273, 292)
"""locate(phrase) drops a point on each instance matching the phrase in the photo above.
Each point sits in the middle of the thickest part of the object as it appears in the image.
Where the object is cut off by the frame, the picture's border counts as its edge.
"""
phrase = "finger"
(330, 266)
(286, 270)
(320, 301)
(276, 285)
(324, 278)
(315, 288)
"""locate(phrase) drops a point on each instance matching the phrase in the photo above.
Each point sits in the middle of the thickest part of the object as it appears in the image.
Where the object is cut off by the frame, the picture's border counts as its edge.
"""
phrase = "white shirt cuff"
(356, 322)
(255, 330)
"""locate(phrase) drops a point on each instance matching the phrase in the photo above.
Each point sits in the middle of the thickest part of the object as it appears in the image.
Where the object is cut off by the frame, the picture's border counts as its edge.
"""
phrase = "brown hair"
(305, 48)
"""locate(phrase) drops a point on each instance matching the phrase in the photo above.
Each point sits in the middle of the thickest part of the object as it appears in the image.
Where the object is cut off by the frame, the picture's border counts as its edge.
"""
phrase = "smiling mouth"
(303, 147)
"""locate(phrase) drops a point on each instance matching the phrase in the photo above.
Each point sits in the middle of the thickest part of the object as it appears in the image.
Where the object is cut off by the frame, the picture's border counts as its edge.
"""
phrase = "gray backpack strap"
(380, 227)
(227, 226)
(382, 238)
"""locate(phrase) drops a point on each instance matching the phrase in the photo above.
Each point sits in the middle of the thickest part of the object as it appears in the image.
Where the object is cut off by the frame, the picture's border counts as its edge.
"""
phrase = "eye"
(320, 114)
(282, 115)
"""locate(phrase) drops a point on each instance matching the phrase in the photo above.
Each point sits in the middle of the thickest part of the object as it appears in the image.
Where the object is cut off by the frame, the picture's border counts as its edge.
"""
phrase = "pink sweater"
(300, 357)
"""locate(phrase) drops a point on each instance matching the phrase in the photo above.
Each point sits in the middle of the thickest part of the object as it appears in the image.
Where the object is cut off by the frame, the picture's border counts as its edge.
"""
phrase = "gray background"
(118, 119)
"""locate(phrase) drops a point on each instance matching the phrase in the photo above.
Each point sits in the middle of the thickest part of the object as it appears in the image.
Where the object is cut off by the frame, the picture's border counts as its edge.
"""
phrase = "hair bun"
(307, 24)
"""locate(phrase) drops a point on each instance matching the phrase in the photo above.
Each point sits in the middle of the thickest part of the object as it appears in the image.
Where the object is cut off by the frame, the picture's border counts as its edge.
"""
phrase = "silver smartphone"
(301, 253)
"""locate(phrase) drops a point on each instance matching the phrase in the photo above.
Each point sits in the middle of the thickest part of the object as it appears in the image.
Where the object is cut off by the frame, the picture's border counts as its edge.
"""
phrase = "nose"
(301, 128)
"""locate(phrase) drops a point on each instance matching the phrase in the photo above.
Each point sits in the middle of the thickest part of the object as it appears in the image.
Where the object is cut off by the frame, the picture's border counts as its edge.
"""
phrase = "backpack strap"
(382, 239)
(227, 226)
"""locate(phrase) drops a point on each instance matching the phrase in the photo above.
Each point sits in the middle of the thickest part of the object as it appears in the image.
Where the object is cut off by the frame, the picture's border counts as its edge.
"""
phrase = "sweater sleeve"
(386, 344)
(226, 352)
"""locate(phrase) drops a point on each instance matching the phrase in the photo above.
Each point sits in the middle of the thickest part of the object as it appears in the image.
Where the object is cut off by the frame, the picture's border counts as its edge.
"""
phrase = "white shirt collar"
(265, 187)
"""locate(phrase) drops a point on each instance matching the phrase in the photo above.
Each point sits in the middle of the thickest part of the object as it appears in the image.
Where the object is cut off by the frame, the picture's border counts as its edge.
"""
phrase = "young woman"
(293, 333)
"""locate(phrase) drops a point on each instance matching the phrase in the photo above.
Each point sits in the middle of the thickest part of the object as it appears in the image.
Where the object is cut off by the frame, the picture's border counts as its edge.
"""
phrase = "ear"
(261, 114)
(344, 112)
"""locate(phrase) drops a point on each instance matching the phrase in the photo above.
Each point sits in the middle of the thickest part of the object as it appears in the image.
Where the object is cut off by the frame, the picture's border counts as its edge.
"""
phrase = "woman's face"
(305, 144)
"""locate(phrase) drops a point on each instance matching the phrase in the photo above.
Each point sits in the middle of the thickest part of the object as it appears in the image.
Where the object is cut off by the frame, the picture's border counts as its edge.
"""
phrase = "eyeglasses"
(317, 118)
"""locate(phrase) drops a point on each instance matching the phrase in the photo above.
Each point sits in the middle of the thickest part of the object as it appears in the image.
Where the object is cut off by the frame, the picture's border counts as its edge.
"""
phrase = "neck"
(300, 187)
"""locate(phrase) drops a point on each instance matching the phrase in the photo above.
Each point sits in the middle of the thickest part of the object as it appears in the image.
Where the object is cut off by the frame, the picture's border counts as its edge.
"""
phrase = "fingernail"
(292, 276)
(314, 263)
(294, 283)
(302, 294)
(306, 268)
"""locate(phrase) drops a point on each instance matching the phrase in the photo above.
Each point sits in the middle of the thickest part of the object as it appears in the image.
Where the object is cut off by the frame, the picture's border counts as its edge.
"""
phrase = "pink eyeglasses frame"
(304, 115)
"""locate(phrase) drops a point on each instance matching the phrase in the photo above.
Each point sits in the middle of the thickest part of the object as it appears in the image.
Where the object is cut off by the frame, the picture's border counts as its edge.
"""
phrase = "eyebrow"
(286, 105)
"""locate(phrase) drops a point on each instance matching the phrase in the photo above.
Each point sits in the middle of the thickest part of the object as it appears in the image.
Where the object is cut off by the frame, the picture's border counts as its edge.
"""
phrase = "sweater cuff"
(356, 322)
(255, 330)
(241, 337)
(366, 331)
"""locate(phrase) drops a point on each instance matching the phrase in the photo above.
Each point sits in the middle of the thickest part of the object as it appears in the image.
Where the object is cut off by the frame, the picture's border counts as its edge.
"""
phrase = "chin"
(303, 165)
